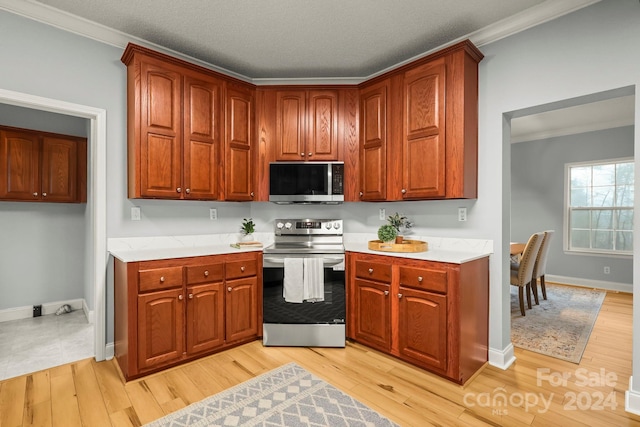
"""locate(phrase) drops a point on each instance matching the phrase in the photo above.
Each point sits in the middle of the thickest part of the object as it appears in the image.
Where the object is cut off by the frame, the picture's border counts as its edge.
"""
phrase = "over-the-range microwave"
(306, 182)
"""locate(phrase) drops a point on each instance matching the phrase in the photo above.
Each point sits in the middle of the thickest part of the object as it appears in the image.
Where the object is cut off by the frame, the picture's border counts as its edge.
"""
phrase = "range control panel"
(308, 226)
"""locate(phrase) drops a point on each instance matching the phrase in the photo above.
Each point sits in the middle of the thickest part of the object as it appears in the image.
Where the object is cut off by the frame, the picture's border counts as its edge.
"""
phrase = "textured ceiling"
(298, 38)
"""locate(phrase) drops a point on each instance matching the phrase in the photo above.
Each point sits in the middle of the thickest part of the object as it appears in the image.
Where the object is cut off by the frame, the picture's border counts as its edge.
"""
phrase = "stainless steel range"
(304, 284)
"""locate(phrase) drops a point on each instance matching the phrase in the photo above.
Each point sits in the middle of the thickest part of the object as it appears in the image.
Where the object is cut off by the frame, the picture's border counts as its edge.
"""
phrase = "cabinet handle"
(35, 194)
(370, 270)
(419, 278)
(180, 297)
(404, 191)
(229, 289)
(242, 268)
(188, 191)
(252, 194)
(161, 279)
(44, 194)
(386, 293)
(190, 296)
(310, 154)
(206, 273)
(301, 154)
(179, 190)
(361, 194)
(399, 295)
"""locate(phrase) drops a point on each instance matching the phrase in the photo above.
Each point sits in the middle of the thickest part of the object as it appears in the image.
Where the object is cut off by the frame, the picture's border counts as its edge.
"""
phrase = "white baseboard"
(25, 312)
(109, 351)
(588, 283)
(632, 399)
(502, 359)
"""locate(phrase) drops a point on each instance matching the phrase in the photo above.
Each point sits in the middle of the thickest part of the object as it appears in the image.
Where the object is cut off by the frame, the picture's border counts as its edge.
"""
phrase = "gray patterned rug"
(561, 325)
(287, 396)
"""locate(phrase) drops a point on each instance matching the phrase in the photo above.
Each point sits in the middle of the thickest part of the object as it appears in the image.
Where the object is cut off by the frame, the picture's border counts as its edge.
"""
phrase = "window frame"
(567, 210)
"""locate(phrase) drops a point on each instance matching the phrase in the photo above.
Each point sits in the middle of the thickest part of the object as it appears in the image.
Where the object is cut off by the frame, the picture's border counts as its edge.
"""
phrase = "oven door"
(309, 324)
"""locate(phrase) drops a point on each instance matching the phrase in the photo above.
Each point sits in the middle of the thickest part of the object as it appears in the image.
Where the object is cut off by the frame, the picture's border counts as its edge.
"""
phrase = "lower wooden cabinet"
(171, 311)
(434, 315)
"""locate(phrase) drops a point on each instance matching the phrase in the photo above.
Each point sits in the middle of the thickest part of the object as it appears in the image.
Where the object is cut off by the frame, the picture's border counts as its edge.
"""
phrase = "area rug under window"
(561, 325)
(287, 396)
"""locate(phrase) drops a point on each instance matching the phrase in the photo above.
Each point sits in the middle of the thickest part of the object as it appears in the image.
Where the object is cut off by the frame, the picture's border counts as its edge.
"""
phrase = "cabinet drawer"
(373, 271)
(420, 278)
(205, 273)
(245, 268)
(159, 278)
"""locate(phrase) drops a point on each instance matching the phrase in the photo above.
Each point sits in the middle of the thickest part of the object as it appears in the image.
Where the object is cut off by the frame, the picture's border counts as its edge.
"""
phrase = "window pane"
(602, 239)
(603, 196)
(624, 220)
(580, 219)
(624, 173)
(604, 174)
(580, 197)
(602, 220)
(624, 241)
(624, 195)
(581, 176)
(580, 239)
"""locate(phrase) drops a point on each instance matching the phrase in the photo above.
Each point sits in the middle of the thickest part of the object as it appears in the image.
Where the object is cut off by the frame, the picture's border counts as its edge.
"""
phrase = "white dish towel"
(313, 280)
(293, 289)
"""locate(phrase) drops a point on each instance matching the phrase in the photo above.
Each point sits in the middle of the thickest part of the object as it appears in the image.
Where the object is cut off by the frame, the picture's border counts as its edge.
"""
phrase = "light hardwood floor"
(591, 394)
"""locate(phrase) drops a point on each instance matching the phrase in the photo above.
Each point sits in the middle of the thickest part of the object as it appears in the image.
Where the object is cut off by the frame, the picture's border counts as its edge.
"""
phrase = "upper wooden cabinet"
(174, 120)
(307, 125)
(239, 141)
(41, 166)
(419, 129)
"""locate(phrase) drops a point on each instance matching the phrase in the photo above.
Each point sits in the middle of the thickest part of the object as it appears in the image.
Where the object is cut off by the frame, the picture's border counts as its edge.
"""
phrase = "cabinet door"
(160, 132)
(373, 142)
(423, 150)
(59, 169)
(19, 165)
(422, 335)
(202, 144)
(322, 125)
(373, 313)
(160, 328)
(239, 169)
(290, 125)
(241, 299)
(205, 317)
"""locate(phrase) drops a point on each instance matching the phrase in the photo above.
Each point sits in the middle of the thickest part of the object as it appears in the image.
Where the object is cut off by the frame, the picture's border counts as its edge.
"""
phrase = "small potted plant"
(387, 233)
(399, 222)
(247, 229)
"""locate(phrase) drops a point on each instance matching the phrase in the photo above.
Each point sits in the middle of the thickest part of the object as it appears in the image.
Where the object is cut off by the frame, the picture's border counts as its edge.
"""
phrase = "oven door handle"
(329, 262)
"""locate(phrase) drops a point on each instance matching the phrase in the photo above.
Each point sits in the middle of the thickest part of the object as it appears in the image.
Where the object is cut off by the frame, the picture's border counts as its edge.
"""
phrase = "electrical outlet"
(607, 270)
(382, 215)
(462, 214)
(213, 214)
(135, 213)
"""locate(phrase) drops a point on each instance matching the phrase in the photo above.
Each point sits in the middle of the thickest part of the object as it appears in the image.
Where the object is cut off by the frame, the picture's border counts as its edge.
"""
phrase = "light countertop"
(437, 254)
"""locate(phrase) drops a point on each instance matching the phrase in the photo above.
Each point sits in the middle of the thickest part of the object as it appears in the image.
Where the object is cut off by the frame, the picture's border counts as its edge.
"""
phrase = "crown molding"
(536, 15)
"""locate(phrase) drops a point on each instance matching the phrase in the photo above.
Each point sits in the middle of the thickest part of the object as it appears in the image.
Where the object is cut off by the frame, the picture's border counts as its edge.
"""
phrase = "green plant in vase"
(399, 222)
(247, 228)
(387, 233)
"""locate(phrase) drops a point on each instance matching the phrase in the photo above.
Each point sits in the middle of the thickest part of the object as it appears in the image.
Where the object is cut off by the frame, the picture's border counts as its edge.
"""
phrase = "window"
(600, 207)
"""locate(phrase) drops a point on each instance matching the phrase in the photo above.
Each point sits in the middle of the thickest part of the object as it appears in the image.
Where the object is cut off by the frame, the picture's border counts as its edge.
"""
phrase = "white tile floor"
(36, 343)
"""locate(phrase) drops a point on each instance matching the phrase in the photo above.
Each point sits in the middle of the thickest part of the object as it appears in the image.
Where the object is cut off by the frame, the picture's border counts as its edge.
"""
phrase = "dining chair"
(540, 266)
(522, 275)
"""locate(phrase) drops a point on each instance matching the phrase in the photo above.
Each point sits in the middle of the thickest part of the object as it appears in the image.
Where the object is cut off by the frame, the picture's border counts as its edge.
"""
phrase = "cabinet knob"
(361, 194)
(206, 273)
(188, 191)
(190, 296)
(179, 190)
(180, 297)
(161, 279)
(229, 289)
(310, 154)
(419, 278)
(242, 268)
(370, 270)
(386, 293)
(44, 194)
(252, 194)
(404, 191)
(399, 295)
(301, 154)
(35, 194)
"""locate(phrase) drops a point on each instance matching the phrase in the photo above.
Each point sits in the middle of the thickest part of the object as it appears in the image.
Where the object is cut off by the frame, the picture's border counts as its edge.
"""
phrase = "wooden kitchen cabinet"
(171, 311)
(42, 166)
(434, 315)
(419, 129)
(239, 141)
(307, 125)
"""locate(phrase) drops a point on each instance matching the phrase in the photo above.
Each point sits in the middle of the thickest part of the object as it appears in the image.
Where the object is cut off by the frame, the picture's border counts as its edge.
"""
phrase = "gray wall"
(42, 250)
(537, 196)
